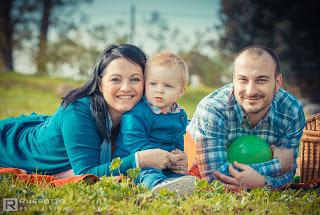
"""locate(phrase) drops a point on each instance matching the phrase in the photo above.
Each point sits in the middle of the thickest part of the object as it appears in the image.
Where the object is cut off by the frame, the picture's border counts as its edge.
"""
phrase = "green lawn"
(26, 94)
(21, 94)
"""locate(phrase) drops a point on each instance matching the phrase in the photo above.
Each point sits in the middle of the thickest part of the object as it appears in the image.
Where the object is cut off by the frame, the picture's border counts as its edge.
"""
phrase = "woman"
(78, 138)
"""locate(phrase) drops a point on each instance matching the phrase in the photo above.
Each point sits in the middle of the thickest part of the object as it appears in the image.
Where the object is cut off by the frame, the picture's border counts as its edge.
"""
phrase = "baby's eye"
(153, 83)
(168, 85)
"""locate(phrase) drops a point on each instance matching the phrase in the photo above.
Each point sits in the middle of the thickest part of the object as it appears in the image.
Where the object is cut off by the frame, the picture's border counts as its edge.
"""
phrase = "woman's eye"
(242, 80)
(115, 80)
(135, 80)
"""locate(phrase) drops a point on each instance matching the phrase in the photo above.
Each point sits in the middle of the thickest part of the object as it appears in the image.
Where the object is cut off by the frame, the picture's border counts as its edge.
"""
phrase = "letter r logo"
(10, 204)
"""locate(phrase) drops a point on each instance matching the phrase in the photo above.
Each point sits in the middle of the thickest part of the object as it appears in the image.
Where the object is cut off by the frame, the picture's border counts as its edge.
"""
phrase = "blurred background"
(62, 38)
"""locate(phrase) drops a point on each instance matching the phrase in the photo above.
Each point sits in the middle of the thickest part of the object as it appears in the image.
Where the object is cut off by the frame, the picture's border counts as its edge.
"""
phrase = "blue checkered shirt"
(219, 119)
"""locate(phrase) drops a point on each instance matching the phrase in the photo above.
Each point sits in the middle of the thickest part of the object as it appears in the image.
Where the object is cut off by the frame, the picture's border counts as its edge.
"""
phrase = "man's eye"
(262, 81)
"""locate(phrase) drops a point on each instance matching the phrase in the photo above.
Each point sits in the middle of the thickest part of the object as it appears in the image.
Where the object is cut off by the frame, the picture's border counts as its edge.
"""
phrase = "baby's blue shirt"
(142, 129)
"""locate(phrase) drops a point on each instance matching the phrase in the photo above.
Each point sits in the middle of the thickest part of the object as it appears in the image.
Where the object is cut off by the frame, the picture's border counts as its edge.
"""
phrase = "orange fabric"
(190, 149)
(35, 178)
(38, 179)
(194, 170)
(90, 179)
(11, 170)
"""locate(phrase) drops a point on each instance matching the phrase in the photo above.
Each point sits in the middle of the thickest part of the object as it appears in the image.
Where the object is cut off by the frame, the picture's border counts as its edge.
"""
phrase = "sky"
(188, 16)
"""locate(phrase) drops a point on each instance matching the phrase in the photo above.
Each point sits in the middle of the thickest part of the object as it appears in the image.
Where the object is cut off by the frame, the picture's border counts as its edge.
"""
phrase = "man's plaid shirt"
(219, 119)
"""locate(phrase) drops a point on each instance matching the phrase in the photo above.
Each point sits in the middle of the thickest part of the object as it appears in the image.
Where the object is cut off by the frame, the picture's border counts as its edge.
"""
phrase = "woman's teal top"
(52, 144)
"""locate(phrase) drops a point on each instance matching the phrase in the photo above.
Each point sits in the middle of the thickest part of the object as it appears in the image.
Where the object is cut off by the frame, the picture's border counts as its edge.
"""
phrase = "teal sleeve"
(82, 141)
(127, 163)
(135, 129)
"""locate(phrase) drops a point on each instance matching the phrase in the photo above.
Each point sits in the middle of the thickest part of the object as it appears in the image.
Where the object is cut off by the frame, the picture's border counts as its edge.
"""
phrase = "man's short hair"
(260, 50)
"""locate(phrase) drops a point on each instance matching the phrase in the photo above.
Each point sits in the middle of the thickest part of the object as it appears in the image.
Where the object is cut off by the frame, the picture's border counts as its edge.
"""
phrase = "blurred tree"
(209, 70)
(6, 28)
(290, 27)
(79, 48)
(158, 29)
(48, 7)
(72, 59)
(194, 52)
(15, 17)
(19, 21)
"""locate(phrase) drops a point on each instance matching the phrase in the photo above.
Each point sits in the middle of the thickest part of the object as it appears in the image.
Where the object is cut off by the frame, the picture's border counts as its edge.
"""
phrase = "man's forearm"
(279, 181)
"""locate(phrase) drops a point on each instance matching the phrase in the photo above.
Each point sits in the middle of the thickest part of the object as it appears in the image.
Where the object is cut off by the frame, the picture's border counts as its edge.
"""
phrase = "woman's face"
(122, 86)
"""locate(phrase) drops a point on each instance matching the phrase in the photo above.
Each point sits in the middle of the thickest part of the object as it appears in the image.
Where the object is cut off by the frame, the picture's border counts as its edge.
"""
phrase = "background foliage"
(289, 27)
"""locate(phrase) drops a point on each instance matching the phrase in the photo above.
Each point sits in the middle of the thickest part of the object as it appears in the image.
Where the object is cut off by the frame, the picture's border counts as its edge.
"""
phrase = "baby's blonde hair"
(170, 61)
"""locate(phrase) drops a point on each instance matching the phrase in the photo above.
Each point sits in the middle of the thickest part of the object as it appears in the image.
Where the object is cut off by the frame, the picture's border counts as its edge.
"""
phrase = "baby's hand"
(179, 166)
(176, 151)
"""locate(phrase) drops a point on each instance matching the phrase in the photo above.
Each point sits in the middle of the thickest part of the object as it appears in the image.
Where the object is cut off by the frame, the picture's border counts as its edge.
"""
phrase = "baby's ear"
(183, 89)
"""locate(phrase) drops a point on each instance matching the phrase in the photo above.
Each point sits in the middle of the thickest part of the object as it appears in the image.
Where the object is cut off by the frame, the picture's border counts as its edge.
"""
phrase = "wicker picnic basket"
(310, 150)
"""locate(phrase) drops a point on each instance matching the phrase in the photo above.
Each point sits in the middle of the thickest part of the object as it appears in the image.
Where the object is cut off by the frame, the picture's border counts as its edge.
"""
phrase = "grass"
(21, 94)
(110, 197)
(26, 94)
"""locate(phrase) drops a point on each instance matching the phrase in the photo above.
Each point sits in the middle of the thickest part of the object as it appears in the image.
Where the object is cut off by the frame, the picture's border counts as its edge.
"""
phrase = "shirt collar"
(175, 108)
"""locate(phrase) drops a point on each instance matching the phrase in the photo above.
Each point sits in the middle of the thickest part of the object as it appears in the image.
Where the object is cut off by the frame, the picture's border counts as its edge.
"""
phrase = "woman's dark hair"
(99, 107)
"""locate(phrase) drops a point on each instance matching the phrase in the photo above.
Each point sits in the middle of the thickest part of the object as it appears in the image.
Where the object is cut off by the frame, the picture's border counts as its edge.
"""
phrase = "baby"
(157, 121)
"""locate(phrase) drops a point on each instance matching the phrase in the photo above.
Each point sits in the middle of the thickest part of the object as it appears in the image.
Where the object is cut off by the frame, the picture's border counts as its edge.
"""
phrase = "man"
(254, 104)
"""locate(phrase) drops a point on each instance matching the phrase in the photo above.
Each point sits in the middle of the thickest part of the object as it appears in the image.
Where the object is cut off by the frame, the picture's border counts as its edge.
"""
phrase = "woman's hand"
(156, 158)
(181, 165)
(247, 178)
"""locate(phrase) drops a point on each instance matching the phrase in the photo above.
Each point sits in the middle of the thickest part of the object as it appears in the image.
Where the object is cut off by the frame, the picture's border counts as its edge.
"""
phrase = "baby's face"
(163, 87)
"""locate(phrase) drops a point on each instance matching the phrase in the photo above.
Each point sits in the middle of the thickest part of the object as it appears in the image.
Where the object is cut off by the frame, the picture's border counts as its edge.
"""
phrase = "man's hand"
(285, 157)
(247, 178)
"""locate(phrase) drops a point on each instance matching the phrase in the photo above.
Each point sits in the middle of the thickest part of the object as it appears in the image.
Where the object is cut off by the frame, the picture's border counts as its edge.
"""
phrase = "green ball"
(249, 149)
(296, 179)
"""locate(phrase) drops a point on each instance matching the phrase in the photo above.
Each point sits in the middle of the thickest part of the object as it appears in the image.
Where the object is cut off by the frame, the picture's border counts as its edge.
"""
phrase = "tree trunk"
(43, 39)
(6, 31)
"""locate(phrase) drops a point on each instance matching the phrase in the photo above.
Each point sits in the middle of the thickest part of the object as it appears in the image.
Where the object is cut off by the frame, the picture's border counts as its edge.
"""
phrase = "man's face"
(255, 83)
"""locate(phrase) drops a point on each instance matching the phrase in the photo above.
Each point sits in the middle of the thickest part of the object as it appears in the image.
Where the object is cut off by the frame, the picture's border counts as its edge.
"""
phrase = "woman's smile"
(125, 97)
